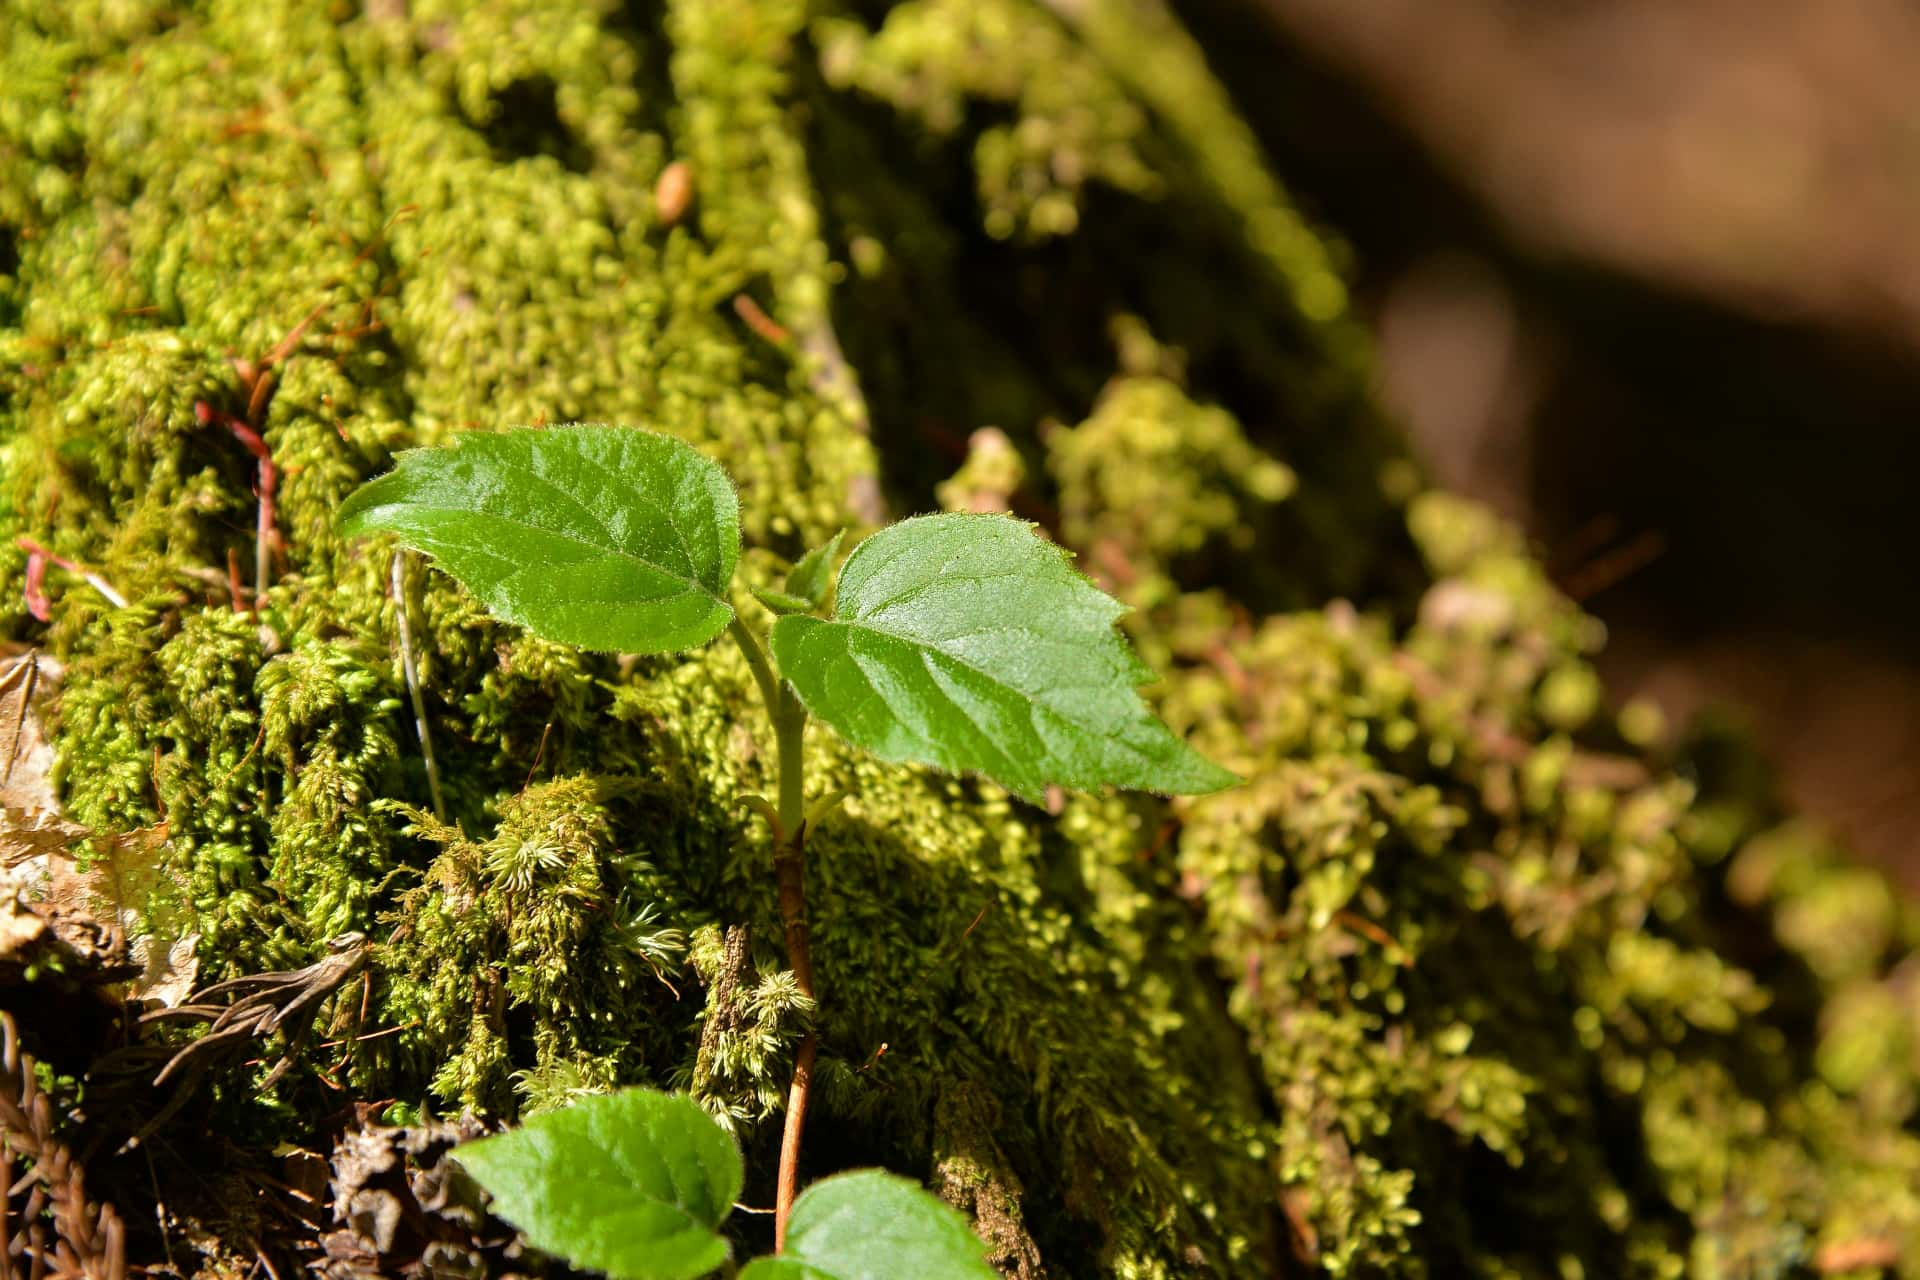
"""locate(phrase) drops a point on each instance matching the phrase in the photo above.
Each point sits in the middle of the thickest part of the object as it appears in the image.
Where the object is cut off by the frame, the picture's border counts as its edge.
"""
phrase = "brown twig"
(257, 380)
(789, 822)
(89, 1241)
(1614, 566)
(1380, 937)
(264, 1003)
(968, 931)
(236, 594)
(759, 321)
(538, 752)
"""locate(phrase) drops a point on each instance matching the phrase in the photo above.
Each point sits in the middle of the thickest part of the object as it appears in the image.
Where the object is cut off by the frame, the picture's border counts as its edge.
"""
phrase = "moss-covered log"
(1474, 977)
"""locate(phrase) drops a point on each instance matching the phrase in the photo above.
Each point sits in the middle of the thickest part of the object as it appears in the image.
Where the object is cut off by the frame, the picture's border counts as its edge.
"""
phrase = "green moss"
(1162, 490)
(545, 934)
(1467, 979)
(1072, 124)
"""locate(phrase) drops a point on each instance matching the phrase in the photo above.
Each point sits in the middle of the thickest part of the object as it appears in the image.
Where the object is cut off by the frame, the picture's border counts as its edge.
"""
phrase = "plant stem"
(756, 655)
(789, 728)
(413, 686)
(789, 865)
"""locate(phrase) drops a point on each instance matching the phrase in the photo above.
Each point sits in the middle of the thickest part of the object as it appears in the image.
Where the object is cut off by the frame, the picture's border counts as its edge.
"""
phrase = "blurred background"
(1646, 275)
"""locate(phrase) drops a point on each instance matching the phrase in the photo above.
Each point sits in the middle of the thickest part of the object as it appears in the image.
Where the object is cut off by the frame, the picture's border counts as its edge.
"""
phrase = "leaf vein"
(940, 579)
(940, 679)
(616, 552)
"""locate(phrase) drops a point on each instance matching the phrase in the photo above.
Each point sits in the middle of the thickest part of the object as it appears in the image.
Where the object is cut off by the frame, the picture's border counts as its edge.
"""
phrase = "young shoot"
(962, 641)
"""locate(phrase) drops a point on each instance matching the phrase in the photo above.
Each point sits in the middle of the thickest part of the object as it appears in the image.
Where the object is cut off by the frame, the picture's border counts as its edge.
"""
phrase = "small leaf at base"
(874, 1225)
(771, 1268)
(632, 1183)
(812, 578)
(780, 603)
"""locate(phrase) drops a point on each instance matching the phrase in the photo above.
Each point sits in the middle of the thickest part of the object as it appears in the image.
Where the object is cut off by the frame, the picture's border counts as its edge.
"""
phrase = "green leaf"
(602, 537)
(630, 1183)
(874, 1225)
(812, 577)
(782, 1268)
(969, 642)
(808, 582)
(780, 602)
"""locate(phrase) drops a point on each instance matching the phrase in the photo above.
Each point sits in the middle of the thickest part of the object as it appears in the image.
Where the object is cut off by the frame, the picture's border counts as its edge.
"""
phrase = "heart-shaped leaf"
(873, 1225)
(970, 643)
(630, 1183)
(604, 537)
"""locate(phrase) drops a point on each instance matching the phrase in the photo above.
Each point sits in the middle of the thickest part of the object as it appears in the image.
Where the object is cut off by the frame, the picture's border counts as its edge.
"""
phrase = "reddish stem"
(236, 594)
(759, 321)
(37, 603)
(789, 1185)
(38, 558)
(266, 483)
(288, 343)
(33, 548)
(790, 870)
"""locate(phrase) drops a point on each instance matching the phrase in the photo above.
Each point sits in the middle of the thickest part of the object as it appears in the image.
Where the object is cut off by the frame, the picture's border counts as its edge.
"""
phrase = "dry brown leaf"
(28, 682)
(34, 833)
(21, 928)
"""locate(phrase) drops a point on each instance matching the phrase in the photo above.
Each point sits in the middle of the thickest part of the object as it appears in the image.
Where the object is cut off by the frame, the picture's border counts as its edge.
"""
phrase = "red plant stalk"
(38, 558)
(236, 594)
(266, 483)
(790, 869)
(37, 603)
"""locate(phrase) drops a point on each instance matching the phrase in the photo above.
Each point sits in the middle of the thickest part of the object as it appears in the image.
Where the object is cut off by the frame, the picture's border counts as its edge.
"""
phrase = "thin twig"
(236, 594)
(538, 753)
(371, 1035)
(1612, 567)
(91, 578)
(1380, 937)
(266, 483)
(968, 932)
(759, 321)
(413, 689)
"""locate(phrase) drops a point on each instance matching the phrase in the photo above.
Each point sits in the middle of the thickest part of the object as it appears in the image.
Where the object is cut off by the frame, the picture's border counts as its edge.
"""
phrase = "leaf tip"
(1213, 778)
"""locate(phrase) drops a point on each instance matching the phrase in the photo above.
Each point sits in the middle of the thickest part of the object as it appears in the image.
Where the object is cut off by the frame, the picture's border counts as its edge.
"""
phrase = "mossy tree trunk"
(1475, 976)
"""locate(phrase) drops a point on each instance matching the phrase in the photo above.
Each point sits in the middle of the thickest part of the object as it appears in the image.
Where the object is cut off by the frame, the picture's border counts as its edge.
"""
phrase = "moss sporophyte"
(966, 642)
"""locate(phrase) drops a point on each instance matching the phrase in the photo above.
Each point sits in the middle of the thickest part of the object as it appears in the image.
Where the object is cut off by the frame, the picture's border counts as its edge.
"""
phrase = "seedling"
(962, 641)
(637, 1183)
